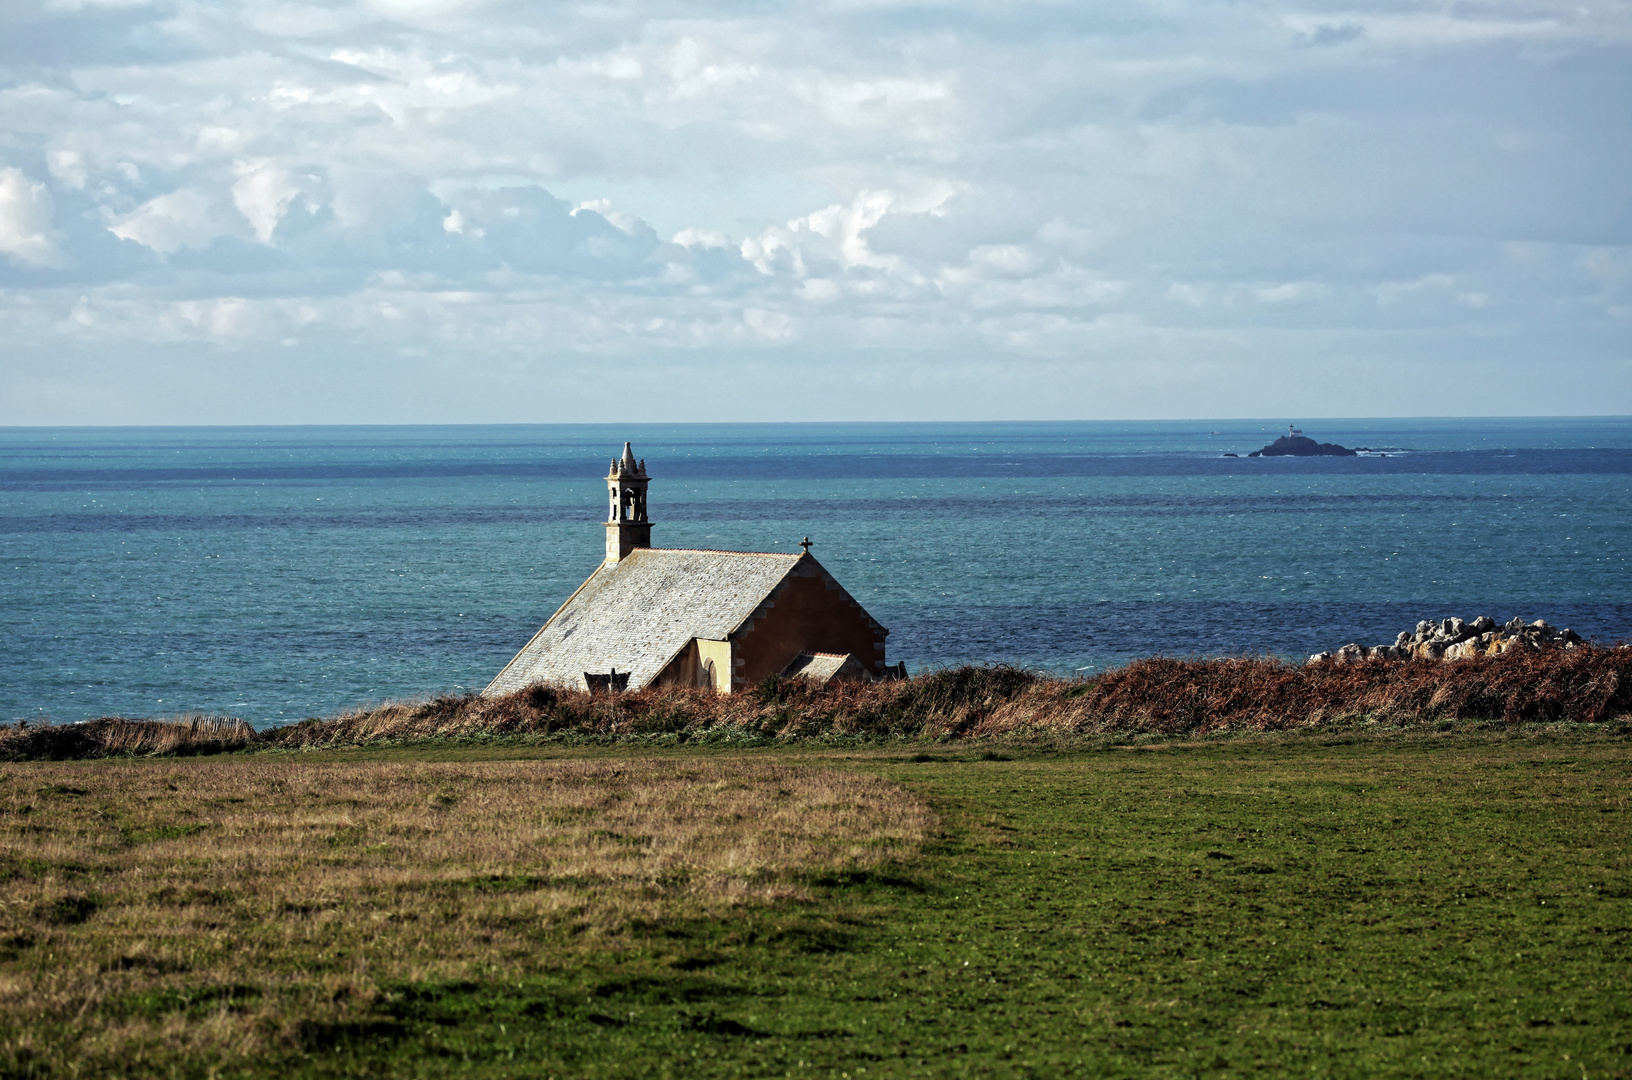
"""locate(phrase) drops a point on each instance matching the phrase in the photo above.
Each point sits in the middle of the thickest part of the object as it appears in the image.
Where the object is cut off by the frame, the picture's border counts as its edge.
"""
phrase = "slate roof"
(817, 667)
(636, 614)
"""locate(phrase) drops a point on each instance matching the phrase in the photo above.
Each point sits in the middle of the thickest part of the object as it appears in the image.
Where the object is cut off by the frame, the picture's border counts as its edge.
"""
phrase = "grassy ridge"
(1159, 696)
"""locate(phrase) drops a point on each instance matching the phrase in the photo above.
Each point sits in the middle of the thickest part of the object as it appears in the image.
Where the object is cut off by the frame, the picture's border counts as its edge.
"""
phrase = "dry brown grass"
(1167, 696)
(937, 705)
(1159, 696)
(270, 891)
(115, 736)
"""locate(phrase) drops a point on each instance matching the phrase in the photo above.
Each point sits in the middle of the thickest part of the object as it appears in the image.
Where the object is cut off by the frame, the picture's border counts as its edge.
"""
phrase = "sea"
(278, 573)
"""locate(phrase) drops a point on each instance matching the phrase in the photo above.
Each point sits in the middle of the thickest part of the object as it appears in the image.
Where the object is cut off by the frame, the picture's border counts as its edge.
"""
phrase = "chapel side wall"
(720, 652)
(806, 614)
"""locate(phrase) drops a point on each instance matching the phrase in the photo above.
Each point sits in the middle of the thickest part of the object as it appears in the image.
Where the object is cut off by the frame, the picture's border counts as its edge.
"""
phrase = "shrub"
(1161, 696)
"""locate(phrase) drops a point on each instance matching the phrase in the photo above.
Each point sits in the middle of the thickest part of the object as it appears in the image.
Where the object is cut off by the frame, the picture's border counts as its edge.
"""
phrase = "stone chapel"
(688, 617)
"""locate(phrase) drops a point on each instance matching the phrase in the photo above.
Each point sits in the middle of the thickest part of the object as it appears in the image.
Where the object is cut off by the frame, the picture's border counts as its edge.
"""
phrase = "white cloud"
(26, 227)
(770, 325)
(262, 194)
(693, 74)
(416, 10)
(946, 184)
(820, 290)
(626, 222)
(224, 318)
(185, 218)
(68, 168)
(1282, 293)
(838, 233)
(217, 140)
(701, 238)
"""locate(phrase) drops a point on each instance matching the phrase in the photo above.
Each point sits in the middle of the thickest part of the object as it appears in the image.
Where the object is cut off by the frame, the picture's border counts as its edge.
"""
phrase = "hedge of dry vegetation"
(1159, 696)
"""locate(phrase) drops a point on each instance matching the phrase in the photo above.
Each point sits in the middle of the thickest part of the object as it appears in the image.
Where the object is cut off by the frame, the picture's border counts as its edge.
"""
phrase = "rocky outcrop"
(1302, 446)
(1456, 639)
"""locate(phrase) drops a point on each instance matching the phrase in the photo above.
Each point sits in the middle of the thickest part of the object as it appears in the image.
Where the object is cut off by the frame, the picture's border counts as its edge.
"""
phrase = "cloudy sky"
(244, 211)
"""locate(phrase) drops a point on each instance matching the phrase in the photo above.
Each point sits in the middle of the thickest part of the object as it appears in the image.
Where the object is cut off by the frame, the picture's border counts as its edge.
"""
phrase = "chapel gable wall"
(808, 612)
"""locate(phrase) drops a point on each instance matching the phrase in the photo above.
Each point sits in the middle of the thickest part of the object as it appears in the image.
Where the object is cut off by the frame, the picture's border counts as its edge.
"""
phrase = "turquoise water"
(277, 573)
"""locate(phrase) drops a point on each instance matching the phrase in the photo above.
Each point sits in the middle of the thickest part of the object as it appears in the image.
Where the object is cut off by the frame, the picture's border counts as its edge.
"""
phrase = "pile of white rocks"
(1454, 639)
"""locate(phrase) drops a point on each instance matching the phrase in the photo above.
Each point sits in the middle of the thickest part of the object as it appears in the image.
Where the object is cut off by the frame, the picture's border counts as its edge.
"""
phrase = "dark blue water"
(277, 573)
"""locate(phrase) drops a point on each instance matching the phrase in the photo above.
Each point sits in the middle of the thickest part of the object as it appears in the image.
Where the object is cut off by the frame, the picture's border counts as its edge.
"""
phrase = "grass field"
(1453, 905)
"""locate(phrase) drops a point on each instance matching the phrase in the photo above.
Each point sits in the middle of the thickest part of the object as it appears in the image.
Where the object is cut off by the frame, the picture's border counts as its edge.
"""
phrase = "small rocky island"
(1295, 444)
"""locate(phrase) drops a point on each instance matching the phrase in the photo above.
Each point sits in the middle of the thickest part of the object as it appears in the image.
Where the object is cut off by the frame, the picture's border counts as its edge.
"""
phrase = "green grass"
(1437, 907)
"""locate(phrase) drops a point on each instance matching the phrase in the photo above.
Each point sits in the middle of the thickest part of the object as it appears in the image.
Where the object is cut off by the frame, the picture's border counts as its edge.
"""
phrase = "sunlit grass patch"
(220, 907)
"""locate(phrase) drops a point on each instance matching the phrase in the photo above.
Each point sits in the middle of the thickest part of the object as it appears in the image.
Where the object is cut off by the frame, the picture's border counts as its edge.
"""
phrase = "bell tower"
(627, 527)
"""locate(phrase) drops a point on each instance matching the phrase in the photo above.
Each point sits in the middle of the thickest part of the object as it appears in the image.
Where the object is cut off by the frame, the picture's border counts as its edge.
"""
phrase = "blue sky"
(435, 210)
